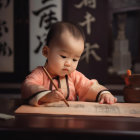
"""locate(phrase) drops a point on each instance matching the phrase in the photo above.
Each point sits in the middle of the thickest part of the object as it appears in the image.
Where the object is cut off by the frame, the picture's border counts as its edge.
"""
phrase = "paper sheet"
(84, 108)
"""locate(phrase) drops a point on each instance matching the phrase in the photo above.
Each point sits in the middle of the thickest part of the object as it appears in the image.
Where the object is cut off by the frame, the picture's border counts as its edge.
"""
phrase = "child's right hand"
(53, 96)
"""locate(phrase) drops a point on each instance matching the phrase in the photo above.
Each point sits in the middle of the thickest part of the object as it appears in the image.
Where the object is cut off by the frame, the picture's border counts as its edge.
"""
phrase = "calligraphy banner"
(6, 36)
(42, 15)
(92, 16)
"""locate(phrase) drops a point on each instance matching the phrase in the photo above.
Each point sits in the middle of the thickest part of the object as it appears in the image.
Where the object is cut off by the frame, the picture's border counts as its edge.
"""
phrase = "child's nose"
(67, 63)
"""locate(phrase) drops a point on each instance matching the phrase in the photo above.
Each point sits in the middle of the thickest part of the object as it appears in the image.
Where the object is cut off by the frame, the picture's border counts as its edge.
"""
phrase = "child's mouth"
(66, 70)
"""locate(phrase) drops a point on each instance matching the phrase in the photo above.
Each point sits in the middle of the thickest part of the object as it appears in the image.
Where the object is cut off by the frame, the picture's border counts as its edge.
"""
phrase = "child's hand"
(107, 98)
(53, 96)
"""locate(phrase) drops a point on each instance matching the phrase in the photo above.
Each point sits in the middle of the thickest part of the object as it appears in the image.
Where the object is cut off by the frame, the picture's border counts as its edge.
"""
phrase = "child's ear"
(45, 51)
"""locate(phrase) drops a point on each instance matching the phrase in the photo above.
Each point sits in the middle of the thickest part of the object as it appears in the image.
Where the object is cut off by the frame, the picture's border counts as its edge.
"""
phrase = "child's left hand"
(107, 98)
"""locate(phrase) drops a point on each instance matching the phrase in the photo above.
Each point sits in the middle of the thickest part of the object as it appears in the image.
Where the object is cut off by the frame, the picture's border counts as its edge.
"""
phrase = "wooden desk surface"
(65, 127)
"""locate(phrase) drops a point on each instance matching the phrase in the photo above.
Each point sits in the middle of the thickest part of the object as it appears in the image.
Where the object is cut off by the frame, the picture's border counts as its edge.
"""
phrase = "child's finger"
(56, 96)
(111, 100)
(60, 91)
(108, 100)
(101, 101)
(60, 95)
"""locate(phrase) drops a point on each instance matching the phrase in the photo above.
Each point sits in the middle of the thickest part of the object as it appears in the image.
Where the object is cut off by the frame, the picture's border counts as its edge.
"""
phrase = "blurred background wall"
(112, 29)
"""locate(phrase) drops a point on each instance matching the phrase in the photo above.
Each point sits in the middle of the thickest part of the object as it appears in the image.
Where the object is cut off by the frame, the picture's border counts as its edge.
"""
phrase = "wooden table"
(30, 126)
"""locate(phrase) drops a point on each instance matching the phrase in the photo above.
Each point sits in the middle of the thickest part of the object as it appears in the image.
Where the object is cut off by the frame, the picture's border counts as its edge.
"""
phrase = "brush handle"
(54, 83)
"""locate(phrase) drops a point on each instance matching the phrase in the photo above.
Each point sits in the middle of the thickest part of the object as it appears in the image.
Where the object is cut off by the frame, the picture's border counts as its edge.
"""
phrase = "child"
(65, 44)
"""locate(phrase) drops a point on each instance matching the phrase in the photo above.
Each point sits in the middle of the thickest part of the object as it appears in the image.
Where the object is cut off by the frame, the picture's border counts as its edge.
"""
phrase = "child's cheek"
(75, 65)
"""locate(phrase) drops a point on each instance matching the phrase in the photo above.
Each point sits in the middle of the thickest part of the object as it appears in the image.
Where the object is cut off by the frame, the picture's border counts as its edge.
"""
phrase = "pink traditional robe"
(75, 86)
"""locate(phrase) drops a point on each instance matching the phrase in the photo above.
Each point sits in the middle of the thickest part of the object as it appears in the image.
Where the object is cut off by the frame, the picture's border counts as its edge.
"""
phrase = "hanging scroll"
(6, 36)
(42, 14)
(92, 16)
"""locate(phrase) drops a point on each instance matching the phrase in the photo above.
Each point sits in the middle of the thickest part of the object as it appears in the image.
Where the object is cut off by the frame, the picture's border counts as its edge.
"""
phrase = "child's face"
(63, 57)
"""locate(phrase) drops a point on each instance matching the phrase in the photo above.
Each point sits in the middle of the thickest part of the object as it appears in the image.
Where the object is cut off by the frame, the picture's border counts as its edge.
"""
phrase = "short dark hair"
(58, 27)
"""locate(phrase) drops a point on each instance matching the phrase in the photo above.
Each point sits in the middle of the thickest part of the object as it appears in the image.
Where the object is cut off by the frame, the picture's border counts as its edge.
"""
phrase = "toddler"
(64, 47)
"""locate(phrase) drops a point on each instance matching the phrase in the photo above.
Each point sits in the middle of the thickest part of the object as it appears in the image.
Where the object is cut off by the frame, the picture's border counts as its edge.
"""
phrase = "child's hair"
(59, 27)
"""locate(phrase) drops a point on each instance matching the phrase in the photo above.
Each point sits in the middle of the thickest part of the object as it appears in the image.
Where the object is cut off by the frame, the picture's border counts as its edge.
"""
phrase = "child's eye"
(63, 56)
(75, 60)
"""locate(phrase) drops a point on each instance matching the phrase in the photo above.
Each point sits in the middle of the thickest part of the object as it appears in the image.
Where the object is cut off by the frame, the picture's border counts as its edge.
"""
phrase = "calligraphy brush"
(54, 83)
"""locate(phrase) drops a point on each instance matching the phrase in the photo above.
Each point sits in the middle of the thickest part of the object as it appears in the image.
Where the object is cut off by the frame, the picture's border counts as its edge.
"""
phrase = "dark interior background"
(21, 39)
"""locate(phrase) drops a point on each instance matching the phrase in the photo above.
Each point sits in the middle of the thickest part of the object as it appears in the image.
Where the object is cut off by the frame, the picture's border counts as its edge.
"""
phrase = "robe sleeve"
(86, 89)
(33, 84)
(35, 101)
